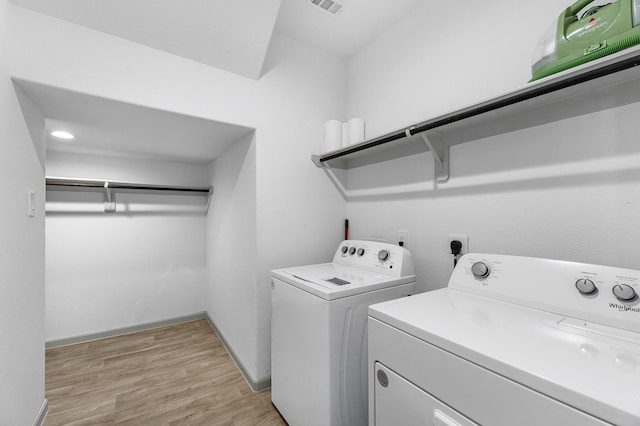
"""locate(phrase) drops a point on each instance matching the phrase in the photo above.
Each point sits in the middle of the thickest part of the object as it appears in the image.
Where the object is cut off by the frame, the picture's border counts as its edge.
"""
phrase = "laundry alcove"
(137, 256)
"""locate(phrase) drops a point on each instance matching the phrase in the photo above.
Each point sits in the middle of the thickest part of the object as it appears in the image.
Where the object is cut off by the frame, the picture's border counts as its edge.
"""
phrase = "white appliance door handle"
(441, 419)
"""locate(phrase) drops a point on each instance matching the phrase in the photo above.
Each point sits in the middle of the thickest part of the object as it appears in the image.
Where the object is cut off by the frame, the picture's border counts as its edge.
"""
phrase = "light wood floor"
(176, 375)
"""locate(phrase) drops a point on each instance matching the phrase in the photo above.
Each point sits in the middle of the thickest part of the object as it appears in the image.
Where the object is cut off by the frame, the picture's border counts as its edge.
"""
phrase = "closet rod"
(100, 184)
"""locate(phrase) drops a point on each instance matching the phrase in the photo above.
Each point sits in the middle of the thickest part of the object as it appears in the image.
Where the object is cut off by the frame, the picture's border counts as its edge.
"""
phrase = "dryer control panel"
(388, 259)
(602, 294)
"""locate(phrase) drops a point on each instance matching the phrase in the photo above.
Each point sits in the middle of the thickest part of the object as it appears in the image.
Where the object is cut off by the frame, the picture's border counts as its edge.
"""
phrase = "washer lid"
(594, 368)
(333, 281)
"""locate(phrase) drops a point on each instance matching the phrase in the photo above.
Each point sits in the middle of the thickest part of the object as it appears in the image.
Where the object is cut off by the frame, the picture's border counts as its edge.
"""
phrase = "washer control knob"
(480, 270)
(624, 292)
(383, 255)
(586, 286)
(360, 252)
(345, 249)
(352, 251)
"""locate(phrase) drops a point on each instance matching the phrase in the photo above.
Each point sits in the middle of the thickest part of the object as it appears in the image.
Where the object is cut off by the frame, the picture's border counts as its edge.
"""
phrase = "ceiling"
(111, 128)
(345, 33)
(232, 35)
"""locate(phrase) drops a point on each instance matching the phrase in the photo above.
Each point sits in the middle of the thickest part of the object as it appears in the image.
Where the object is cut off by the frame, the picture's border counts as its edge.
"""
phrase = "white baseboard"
(123, 330)
(42, 414)
(255, 385)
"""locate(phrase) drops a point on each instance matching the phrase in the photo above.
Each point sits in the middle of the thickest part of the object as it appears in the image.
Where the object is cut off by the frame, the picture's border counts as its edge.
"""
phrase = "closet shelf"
(606, 83)
(110, 187)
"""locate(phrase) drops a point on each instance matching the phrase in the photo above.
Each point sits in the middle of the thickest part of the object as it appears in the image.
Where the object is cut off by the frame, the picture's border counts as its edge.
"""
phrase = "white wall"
(21, 255)
(67, 56)
(231, 248)
(144, 263)
(443, 56)
(566, 190)
(299, 214)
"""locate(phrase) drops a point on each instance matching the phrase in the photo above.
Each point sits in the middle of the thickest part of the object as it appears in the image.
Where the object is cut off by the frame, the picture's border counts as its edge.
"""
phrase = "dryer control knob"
(352, 250)
(345, 249)
(586, 286)
(624, 292)
(360, 252)
(383, 255)
(480, 270)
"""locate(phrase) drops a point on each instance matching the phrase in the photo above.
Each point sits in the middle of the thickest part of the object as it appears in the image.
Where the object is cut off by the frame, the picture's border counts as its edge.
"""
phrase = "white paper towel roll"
(356, 130)
(332, 135)
(345, 134)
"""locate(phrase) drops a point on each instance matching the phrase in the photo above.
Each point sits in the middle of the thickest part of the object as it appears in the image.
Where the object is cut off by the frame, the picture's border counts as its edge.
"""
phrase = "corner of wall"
(35, 121)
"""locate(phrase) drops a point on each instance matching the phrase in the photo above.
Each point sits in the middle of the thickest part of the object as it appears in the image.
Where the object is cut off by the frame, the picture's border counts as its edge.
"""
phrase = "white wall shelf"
(606, 83)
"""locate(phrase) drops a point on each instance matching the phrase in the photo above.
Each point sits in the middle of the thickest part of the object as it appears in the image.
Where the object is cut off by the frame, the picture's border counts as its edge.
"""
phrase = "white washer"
(511, 341)
(319, 332)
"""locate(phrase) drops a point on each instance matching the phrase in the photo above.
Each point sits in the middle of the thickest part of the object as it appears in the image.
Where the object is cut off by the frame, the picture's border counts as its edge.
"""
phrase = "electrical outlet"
(403, 236)
(464, 239)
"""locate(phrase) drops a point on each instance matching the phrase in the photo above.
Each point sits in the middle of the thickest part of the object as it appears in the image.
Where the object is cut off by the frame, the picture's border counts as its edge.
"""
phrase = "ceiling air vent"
(329, 6)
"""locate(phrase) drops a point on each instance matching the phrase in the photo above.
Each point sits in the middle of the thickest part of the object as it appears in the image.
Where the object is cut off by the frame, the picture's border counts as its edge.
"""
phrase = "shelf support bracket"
(336, 181)
(440, 152)
(109, 199)
(332, 175)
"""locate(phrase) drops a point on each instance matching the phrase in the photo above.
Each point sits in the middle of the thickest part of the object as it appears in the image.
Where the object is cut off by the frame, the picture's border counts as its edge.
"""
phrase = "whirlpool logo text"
(624, 308)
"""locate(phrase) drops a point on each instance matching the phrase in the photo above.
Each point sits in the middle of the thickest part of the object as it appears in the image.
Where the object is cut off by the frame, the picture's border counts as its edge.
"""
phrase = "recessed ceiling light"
(61, 134)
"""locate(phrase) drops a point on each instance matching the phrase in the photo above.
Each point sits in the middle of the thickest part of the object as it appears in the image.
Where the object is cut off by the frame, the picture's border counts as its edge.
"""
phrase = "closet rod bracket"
(109, 199)
(440, 151)
(209, 196)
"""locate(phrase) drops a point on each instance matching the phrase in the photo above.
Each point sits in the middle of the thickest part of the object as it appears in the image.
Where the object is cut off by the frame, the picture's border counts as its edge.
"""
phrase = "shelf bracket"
(336, 181)
(109, 199)
(440, 152)
(332, 175)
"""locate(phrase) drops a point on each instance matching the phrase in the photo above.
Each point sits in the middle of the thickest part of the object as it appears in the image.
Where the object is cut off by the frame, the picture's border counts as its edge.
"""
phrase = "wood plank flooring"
(176, 375)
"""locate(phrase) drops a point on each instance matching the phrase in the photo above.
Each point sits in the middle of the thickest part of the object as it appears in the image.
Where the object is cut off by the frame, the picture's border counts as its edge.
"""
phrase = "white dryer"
(319, 331)
(511, 341)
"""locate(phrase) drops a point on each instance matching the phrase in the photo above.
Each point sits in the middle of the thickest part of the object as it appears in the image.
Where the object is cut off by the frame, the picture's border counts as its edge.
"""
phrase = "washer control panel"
(605, 295)
(389, 259)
